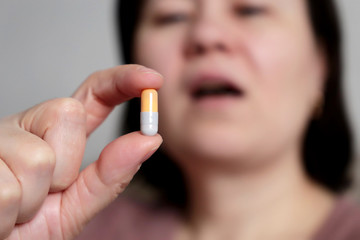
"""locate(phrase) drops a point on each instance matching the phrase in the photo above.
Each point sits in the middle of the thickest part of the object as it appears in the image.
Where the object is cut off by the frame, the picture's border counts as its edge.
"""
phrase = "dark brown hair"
(327, 148)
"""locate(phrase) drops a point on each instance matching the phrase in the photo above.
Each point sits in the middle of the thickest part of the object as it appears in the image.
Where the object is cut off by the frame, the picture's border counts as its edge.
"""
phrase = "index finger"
(105, 89)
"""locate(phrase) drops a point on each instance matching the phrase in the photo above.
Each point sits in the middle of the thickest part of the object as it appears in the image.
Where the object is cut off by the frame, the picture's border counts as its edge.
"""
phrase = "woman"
(250, 111)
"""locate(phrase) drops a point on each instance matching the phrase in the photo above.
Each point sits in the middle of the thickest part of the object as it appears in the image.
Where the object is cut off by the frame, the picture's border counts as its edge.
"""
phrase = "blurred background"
(47, 48)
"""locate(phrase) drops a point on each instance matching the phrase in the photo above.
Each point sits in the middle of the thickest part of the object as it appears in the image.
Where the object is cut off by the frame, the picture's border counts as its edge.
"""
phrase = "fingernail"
(148, 70)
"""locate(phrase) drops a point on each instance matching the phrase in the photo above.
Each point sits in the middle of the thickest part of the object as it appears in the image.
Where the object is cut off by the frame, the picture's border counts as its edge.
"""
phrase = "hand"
(42, 193)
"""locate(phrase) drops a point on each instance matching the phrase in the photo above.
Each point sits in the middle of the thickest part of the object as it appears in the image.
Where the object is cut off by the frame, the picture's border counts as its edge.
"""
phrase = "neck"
(236, 204)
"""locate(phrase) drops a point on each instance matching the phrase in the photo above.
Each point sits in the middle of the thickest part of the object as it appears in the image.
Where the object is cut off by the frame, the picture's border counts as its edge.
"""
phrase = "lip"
(215, 77)
(211, 78)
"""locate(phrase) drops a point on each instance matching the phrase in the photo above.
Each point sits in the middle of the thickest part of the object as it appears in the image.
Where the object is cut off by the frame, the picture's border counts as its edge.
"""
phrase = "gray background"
(47, 48)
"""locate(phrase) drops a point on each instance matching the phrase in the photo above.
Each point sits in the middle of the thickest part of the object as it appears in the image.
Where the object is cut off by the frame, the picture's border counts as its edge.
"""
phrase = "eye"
(168, 19)
(249, 11)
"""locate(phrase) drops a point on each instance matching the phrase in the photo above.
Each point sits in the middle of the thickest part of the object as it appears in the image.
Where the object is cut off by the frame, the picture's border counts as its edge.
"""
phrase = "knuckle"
(95, 74)
(10, 195)
(42, 158)
(69, 107)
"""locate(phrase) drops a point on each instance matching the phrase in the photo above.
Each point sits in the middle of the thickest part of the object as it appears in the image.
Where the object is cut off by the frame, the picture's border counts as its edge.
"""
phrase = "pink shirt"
(129, 220)
(342, 224)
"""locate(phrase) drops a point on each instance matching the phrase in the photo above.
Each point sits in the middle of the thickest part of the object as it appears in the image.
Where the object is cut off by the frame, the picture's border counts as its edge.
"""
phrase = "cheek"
(160, 51)
(288, 70)
(287, 81)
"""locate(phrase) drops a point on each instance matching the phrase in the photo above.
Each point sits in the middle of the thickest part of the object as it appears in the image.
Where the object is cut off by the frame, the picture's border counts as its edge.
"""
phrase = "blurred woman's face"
(242, 77)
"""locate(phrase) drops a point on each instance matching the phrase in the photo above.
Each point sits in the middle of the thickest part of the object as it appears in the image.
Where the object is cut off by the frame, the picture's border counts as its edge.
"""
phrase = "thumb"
(101, 182)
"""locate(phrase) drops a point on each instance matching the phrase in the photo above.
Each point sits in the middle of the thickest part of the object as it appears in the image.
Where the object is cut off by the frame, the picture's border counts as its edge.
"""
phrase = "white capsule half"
(149, 112)
(149, 123)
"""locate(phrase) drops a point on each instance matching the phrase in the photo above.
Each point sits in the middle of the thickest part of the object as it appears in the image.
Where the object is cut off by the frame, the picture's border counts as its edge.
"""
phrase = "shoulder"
(127, 219)
(343, 223)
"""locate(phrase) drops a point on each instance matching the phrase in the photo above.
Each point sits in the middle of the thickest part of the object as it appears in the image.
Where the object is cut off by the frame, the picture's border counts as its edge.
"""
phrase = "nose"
(207, 35)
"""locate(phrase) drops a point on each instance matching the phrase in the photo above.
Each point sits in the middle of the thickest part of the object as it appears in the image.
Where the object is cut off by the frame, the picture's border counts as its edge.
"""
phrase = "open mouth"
(216, 89)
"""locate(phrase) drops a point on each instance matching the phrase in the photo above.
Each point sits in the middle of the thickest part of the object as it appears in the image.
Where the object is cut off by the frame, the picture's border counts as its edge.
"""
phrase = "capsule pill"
(149, 112)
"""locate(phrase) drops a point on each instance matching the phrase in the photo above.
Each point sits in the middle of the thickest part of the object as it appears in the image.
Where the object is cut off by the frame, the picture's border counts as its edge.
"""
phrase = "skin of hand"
(42, 193)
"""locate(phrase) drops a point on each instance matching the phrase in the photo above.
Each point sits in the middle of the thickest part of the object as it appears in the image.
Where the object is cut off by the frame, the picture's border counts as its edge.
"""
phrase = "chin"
(221, 144)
